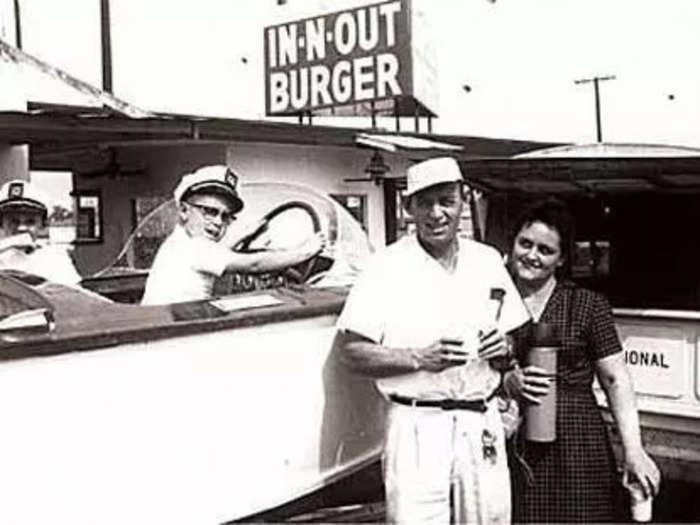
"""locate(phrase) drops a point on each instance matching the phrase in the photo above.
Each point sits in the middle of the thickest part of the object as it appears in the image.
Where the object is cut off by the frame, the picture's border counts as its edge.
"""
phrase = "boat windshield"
(294, 212)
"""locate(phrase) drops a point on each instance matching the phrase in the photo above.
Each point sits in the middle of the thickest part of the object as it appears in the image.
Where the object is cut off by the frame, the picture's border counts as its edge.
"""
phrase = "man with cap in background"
(421, 320)
(24, 236)
(193, 256)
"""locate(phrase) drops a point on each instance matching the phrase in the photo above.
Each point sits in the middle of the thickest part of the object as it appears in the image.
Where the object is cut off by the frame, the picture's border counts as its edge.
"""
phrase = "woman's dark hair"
(555, 214)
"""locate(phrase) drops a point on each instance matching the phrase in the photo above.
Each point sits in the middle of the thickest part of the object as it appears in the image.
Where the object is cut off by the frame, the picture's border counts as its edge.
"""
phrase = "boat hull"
(203, 428)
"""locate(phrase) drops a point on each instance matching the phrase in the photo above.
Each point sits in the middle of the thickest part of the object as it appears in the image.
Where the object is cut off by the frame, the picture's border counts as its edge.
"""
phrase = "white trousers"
(446, 466)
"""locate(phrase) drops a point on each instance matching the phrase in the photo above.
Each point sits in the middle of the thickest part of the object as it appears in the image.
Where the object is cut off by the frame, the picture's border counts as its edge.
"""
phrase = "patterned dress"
(574, 478)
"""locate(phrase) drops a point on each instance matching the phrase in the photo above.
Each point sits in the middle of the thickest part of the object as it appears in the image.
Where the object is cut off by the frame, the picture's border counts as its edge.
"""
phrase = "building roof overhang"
(590, 168)
(54, 132)
(58, 115)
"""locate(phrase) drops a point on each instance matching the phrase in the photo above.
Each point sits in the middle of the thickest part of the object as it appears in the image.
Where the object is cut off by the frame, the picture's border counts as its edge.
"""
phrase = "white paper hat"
(431, 172)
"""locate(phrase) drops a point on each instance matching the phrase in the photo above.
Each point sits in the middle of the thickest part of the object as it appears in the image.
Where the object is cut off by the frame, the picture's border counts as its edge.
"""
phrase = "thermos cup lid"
(545, 334)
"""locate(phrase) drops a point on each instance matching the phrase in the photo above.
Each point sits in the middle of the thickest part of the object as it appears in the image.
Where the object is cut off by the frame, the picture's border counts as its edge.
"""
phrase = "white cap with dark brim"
(430, 173)
(18, 193)
(218, 179)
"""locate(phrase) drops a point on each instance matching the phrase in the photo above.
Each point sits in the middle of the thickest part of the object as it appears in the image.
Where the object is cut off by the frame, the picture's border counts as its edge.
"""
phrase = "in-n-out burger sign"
(343, 58)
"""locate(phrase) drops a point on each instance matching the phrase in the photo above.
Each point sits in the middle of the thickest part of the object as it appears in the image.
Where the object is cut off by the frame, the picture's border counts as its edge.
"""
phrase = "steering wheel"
(300, 272)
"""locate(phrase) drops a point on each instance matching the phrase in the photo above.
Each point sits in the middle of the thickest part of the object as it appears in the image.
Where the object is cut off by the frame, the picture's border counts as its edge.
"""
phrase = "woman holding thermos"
(569, 471)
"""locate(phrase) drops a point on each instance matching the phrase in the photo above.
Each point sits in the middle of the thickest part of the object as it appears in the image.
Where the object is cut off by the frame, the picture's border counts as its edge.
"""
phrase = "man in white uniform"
(424, 320)
(193, 256)
(24, 236)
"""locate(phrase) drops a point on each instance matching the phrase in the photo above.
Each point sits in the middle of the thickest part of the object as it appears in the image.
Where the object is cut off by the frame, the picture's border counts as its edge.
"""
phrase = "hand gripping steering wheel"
(299, 272)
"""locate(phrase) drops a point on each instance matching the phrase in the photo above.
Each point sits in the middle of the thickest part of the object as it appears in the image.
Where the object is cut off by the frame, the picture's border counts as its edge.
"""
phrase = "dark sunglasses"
(210, 213)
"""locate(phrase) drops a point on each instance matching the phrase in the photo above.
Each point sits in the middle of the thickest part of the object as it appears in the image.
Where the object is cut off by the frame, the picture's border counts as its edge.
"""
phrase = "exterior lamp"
(377, 168)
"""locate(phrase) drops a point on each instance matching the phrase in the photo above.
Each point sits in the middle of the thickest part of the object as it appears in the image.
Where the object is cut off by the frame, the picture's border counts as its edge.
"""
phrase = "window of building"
(88, 209)
(356, 204)
(591, 259)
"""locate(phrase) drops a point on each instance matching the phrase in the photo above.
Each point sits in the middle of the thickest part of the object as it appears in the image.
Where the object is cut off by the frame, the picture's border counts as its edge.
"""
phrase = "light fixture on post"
(376, 169)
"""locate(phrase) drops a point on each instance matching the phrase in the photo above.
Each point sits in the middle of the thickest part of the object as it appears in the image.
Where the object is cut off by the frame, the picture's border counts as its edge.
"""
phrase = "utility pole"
(106, 34)
(18, 25)
(595, 81)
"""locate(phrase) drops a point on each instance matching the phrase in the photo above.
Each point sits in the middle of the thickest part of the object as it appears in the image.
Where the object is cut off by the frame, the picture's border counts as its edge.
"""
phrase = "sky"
(55, 188)
(519, 57)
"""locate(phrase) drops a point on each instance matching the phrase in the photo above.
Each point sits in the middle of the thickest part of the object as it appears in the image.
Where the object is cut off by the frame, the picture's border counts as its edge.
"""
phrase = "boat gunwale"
(151, 323)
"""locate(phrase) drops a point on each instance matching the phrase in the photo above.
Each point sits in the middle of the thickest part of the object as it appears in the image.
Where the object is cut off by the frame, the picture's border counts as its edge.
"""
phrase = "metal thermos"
(541, 420)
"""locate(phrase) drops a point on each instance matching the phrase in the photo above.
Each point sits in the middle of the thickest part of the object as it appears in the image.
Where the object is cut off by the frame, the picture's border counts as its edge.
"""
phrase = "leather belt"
(475, 405)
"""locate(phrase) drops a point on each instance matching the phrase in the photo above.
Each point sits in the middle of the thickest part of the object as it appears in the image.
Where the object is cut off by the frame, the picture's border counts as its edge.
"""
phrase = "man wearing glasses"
(193, 256)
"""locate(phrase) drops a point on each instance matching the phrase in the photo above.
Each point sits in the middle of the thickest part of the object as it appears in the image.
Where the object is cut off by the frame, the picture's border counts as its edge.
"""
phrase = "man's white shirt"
(405, 298)
(51, 261)
(185, 269)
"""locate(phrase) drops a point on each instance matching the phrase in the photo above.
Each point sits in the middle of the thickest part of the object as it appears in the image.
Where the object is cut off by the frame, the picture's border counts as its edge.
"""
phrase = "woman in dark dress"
(573, 479)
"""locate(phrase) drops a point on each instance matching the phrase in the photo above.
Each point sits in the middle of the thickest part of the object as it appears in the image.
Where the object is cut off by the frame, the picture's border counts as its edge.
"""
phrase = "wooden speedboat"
(200, 412)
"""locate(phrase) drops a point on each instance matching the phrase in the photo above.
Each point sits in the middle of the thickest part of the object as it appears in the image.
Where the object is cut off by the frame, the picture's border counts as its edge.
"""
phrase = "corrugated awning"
(394, 143)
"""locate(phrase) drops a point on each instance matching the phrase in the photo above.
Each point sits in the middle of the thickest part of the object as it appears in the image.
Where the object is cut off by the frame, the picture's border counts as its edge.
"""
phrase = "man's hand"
(21, 241)
(442, 354)
(529, 383)
(313, 245)
(492, 343)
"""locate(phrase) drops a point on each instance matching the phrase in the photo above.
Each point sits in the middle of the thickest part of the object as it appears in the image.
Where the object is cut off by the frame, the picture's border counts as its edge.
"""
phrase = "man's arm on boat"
(21, 241)
(369, 358)
(271, 260)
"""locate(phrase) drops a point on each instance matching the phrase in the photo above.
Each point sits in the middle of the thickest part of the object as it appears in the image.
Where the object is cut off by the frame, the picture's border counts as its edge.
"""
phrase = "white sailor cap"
(431, 172)
(18, 193)
(218, 179)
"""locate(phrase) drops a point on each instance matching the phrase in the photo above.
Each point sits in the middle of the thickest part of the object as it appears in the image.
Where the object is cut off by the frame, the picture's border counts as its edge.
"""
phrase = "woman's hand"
(527, 384)
(640, 468)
